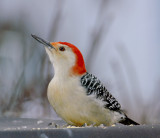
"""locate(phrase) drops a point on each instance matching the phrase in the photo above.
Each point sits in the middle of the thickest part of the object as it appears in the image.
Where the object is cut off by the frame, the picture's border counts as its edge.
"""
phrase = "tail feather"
(128, 121)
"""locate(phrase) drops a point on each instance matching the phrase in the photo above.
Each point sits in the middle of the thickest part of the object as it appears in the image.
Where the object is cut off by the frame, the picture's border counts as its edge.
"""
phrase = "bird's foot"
(52, 124)
(86, 125)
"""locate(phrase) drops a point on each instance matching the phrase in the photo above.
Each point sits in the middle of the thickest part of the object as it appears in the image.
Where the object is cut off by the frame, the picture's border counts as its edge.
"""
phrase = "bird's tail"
(128, 121)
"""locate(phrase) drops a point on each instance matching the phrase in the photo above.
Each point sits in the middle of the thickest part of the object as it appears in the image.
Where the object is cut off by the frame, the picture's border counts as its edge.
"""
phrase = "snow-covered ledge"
(38, 128)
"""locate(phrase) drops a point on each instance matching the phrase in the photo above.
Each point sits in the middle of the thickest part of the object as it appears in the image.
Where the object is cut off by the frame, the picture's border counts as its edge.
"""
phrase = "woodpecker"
(77, 96)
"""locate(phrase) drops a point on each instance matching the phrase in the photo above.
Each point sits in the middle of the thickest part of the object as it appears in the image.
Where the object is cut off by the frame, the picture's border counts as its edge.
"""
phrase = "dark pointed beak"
(43, 41)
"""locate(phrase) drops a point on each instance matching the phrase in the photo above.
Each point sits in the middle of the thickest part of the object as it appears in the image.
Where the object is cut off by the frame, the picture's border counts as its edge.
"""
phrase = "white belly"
(75, 107)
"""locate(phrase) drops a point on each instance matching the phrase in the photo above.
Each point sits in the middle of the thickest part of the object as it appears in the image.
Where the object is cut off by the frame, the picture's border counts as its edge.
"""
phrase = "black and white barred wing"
(94, 86)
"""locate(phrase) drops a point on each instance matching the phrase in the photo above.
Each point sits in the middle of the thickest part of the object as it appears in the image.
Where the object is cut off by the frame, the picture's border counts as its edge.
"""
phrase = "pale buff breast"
(72, 104)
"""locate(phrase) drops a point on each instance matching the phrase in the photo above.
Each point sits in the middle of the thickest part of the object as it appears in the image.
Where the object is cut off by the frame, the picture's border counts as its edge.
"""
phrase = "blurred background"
(118, 38)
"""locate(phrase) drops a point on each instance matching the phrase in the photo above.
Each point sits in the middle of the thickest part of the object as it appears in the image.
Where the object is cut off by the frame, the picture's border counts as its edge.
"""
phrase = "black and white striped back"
(94, 86)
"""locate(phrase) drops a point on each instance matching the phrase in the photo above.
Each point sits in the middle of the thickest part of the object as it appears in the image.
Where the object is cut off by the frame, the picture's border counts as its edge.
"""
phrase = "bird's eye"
(62, 48)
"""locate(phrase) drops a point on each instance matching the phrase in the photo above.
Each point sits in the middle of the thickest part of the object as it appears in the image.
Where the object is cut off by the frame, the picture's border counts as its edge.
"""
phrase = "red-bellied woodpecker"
(77, 96)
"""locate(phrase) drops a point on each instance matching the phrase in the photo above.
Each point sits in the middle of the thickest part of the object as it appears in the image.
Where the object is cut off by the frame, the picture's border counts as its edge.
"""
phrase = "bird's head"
(65, 57)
